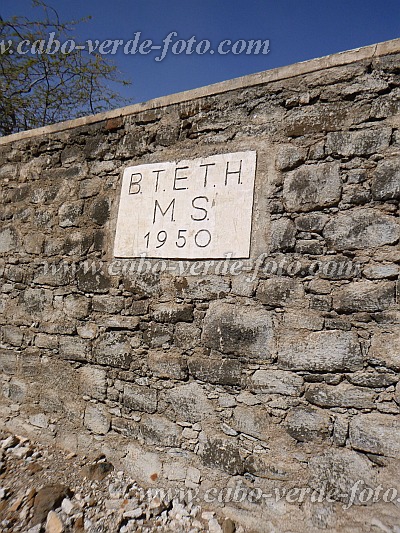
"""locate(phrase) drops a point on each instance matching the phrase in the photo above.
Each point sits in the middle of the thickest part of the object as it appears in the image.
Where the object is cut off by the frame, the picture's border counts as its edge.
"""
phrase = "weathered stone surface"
(97, 418)
(69, 213)
(158, 335)
(140, 398)
(279, 292)
(112, 349)
(76, 306)
(372, 379)
(308, 424)
(386, 180)
(189, 402)
(239, 330)
(301, 351)
(303, 319)
(12, 335)
(385, 349)
(311, 222)
(159, 430)
(283, 235)
(353, 143)
(167, 364)
(212, 370)
(361, 228)
(74, 348)
(186, 335)
(254, 421)
(8, 361)
(311, 187)
(342, 395)
(337, 471)
(364, 296)
(173, 313)
(376, 433)
(8, 240)
(289, 156)
(202, 288)
(276, 469)
(275, 382)
(142, 465)
(93, 382)
(104, 303)
(222, 453)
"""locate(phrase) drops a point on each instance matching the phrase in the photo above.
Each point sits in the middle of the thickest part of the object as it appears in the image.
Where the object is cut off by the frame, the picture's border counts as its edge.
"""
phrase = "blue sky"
(298, 30)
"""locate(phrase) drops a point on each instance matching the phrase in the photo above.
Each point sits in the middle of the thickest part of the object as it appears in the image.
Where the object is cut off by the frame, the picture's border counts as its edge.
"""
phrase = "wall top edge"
(250, 80)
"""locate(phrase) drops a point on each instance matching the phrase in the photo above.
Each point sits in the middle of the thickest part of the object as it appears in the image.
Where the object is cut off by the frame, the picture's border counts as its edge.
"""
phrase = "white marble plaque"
(192, 209)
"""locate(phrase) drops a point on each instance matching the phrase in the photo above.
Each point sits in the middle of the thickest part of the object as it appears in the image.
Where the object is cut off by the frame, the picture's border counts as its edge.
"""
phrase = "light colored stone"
(385, 349)
(376, 433)
(364, 296)
(361, 228)
(54, 523)
(97, 418)
(189, 402)
(276, 382)
(302, 351)
(312, 186)
(308, 424)
(187, 204)
(342, 395)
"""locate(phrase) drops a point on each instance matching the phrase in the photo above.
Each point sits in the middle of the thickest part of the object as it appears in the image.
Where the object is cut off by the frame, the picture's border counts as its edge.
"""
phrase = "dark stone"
(47, 499)
(100, 211)
(221, 371)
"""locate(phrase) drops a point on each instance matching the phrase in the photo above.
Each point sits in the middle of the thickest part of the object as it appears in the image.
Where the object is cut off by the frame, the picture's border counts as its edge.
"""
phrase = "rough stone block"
(303, 319)
(157, 335)
(342, 395)
(200, 287)
(361, 228)
(143, 466)
(289, 156)
(308, 424)
(302, 351)
(376, 433)
(103, 303)
(240, 330)
(385, 349)
(93, 382)
(186, 335)
(69, 213)
(12, 335)
(221, 371)
(279, 291)
(76, 306)
(386, 180)
(97, 418)
(361, 143)
(312, 187)
(8, 361)
(311, 222)
(338, 470)
(254, 421)
(167, 364)
(173, 313)
(74, 348)
(222, 453)
(364, 296)
(283, 235)
(159, 430)
(189, 402)
(112, 349)
(8, 240)
(140, 398)
(276, 382)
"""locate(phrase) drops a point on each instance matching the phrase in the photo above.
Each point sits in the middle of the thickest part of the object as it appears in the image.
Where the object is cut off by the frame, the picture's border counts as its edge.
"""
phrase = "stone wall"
(284, 375)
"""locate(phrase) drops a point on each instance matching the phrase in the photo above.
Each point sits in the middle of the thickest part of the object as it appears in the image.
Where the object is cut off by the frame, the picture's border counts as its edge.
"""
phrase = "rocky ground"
(44, 489)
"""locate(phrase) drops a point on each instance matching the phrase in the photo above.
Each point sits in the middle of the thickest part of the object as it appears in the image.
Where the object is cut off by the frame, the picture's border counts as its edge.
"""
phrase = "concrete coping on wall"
(251, 80)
